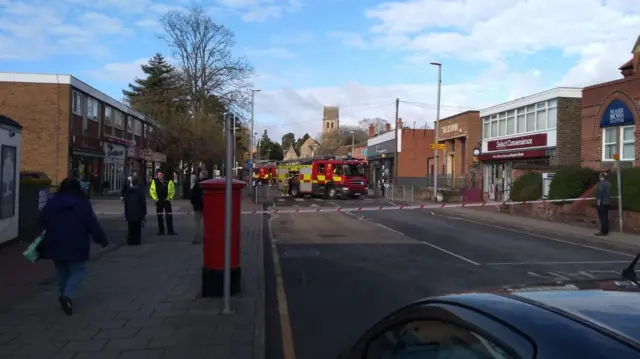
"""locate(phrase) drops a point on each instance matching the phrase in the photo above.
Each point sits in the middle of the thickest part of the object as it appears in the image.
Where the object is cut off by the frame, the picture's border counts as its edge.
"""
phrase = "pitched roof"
(343, 150)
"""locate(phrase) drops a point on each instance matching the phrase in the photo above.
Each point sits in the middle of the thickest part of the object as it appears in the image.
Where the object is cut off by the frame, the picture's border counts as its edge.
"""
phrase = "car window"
(321, 168)
(433, 340)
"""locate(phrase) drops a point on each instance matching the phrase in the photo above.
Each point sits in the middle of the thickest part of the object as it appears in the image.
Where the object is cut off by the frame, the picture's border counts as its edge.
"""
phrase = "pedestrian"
(75, 174)
(135, 211)
(127, 184)
(162, 193)
(69, 222)
(197, 201)
(603, 201)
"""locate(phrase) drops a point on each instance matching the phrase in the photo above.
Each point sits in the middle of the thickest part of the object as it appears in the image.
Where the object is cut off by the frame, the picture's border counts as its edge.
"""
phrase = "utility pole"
(395, 153)
(227, 219)
(437, 128)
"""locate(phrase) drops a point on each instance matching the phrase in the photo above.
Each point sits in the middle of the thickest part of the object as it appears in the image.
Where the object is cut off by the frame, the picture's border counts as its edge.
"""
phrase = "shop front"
(381, 159)
(154, 162)
(114, 175)
(500, 157)
(88, 164)
(135, 161)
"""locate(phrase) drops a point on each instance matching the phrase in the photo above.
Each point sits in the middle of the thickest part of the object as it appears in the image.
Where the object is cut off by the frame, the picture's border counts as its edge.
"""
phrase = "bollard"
(213, 239)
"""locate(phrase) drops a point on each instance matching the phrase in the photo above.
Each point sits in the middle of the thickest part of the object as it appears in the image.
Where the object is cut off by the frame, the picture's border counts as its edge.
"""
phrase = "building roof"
(343, 150)
(6, 121)
(558, 92)
(459, 114)
(62, 79)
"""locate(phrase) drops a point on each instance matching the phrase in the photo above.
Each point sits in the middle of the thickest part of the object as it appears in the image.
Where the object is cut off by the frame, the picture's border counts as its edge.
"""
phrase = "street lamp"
(253, 97)
(353, 143)
(437, 127)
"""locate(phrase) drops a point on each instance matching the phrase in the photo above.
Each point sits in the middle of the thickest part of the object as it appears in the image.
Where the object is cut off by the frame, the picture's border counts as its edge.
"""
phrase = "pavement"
(140, 302)
(334, 275)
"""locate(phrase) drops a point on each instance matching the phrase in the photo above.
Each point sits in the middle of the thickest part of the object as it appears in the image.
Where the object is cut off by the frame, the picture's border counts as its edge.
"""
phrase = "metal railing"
(399, 193)
(451, 182)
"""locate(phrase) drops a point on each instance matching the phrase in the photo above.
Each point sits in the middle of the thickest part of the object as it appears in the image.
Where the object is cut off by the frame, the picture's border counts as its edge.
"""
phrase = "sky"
(359, 54)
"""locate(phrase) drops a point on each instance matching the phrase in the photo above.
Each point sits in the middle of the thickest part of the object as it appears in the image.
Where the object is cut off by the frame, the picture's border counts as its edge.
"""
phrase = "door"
(508, 179)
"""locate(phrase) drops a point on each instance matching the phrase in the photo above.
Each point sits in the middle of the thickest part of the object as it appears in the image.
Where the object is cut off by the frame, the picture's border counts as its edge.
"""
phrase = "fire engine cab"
(324, 176)
(264, 172)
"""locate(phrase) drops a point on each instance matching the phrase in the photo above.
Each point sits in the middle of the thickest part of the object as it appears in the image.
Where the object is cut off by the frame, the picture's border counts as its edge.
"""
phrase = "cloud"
(272, 52)
(260, 10)
(490, 30)
(118, 72)
(41, 28)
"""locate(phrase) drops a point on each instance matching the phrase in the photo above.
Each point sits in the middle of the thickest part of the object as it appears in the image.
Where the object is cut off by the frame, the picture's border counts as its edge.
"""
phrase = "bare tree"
(378, 123)
(204, 50)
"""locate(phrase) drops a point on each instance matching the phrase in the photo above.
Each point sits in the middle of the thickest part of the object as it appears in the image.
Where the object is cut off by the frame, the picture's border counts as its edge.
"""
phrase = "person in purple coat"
(69, 222)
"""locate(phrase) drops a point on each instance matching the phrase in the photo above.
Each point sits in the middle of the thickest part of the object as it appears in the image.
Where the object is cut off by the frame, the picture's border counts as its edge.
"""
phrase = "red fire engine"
(324, 176)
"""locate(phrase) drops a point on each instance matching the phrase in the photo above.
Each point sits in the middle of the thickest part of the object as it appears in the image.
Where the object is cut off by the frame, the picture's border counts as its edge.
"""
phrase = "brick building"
(68, 124)
(461, 134)
(537, 131)
(610, 111)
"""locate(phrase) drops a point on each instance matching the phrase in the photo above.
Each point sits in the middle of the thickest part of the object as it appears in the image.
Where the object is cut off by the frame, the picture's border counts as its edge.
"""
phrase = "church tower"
(330, 120)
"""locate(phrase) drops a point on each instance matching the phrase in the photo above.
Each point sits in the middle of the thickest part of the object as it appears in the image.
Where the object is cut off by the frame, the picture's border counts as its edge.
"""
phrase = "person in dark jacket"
(603, 201)
(69, 222)
(197, 201)
(135, 211)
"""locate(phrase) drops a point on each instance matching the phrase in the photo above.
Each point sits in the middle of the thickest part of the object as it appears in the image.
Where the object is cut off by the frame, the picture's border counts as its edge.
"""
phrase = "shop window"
(552, 117)
(486, 132)
(531, 121)
(494, 128)
(521, 128)
(502, 127)
(511, 125)
(541, 120)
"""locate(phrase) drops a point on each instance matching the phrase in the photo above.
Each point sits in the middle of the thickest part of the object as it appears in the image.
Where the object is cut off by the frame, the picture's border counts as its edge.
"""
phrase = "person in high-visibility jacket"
(162, 193)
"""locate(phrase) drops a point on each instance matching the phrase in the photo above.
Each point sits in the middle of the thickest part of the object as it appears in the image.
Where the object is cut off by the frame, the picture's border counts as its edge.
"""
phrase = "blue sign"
(617, 114)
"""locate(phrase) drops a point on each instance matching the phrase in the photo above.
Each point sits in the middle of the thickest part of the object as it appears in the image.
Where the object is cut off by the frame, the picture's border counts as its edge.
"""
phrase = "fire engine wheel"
(330, 192)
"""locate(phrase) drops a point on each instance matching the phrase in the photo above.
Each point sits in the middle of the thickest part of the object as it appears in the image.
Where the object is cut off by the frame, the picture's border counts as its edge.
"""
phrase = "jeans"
(197, 220)
(603, 216)
(70, 275)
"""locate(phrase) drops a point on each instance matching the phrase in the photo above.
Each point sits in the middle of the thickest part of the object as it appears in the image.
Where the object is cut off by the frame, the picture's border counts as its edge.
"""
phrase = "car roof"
(617, 312)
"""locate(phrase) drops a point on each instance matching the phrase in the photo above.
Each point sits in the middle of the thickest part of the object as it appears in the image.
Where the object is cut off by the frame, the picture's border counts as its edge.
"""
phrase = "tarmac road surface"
(341, 272)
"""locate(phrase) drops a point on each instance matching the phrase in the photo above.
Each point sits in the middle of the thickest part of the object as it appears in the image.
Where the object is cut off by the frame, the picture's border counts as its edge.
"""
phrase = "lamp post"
(353, 143)
(437, 127)
(253, 97)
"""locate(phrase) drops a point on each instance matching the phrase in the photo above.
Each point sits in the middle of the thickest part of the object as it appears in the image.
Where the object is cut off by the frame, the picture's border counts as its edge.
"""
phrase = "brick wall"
(469, 131)
(594, 100)
(412, 161)
(568, 141)
(38, 108)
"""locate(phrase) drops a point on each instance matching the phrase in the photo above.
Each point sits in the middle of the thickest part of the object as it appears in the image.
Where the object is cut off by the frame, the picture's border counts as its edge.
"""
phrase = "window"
(541, 120)
(521, 124)
(130, 124)
(552, 117)
(537, 117)
(433, 339)
(138, 127)
(76, 102)
(92, 109)
(107, 116)
(511, 125)
(628, 140)
(486, 131)
(494, 128)
(531, 121)
(609, 143)
(118, 119)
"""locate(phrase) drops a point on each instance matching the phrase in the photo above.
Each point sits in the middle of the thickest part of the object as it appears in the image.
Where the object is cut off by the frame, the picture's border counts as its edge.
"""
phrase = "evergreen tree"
(158, 89)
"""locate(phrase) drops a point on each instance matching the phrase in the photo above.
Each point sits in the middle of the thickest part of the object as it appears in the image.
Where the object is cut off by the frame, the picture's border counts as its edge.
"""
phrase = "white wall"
(9, 226)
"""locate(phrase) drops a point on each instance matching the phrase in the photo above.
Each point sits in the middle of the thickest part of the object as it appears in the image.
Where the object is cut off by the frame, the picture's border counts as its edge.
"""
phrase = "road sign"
(438, 146)
(616, 156)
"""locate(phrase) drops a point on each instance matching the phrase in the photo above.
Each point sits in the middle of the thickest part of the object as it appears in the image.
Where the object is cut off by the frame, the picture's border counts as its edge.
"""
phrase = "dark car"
(562, 320)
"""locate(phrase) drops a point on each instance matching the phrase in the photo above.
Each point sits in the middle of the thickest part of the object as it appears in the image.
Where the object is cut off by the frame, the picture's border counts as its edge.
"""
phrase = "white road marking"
(451, 253)
(546, 237)
(280, 199)
(299, 199)
(389, 229)
(313, 205)
(583, 274)
(391, 203)
(550, 263)
(318, 199)
(334, 204)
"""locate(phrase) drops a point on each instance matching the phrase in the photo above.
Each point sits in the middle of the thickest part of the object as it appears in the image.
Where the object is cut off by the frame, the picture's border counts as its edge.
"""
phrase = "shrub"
(630, 189)
(527, 187)
(571, 182)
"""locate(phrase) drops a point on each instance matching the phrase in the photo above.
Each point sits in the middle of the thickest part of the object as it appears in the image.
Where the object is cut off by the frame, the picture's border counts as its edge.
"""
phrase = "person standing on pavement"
(135, 211)
(75, 175)
(127, 184)
(197, 201)
(162, 193)
(69, 222)
(603, 201)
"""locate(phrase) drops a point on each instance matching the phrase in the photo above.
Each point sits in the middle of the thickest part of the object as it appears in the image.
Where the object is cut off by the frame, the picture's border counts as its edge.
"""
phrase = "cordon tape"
(383, 208)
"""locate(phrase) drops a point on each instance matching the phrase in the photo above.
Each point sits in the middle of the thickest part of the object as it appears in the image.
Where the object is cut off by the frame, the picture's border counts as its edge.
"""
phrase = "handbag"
(32, 254)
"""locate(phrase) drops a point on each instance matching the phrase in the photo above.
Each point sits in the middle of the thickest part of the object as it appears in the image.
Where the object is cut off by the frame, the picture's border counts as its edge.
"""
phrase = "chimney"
(372, 130)
(387, 127)
(399, 124)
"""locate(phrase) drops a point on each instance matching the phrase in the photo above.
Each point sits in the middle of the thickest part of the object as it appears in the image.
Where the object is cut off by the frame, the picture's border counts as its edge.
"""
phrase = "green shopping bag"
(33, 251)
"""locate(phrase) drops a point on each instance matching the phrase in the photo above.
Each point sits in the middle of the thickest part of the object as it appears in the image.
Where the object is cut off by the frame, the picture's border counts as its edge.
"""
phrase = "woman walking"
(69, 222)
(135, 211)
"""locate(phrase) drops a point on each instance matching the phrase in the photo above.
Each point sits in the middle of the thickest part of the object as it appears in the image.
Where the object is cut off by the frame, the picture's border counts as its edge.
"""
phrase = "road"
(341, 272)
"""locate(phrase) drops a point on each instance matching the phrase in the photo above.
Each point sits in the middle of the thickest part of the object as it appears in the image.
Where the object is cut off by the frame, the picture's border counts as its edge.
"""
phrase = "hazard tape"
(381, 208)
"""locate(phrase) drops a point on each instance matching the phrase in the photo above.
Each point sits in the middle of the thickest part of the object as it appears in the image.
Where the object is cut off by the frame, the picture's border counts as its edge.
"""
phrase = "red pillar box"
(213, 241)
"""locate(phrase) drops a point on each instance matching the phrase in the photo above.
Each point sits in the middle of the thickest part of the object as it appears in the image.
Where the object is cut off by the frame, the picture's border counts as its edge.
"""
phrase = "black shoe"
(600, 234)
(173, 233)
(66, 305)
(161, 233)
